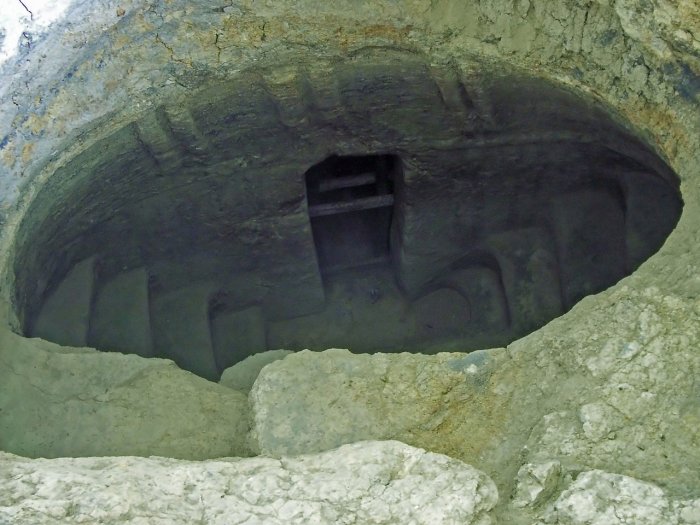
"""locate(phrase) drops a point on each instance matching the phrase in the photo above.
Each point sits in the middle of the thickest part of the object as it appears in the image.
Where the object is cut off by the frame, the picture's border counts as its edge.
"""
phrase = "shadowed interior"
(383, 207)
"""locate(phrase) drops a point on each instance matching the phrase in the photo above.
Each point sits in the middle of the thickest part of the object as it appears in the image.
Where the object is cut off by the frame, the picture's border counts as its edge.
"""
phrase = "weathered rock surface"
(536, 483)
(628, 398)
(601, 498)
(243, 374)
(310, 402)
(371, 482)
(57, 401)
(616, 388)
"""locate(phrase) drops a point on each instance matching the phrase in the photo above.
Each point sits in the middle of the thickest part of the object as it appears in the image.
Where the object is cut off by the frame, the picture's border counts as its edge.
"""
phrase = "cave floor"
(366, 311)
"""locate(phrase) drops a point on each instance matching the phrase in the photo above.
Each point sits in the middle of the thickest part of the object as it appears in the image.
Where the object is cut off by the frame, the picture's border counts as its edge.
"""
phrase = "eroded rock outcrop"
(370, 482)
(602, 498)
(60, 401)
(310, 402)
(615, 392)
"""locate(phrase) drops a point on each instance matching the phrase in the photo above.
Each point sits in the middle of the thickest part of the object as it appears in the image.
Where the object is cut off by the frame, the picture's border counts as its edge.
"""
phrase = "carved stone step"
(351, 181)
(367, 203)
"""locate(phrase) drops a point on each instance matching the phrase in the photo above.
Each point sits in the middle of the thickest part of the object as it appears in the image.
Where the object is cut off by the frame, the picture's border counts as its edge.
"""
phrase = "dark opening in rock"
(385, 207)
(351, 203)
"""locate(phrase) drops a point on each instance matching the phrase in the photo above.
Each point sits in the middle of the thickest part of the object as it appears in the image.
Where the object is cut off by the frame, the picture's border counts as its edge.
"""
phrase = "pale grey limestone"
(601, 498)
(536, 482)
(370, 483)
(315, 401)
(628, 399)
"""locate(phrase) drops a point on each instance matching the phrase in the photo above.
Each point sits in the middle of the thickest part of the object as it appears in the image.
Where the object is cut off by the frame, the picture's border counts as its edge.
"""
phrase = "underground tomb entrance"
(395, 208)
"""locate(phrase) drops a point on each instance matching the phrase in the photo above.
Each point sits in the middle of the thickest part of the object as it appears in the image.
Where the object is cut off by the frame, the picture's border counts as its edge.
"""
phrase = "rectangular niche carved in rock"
(351, 201)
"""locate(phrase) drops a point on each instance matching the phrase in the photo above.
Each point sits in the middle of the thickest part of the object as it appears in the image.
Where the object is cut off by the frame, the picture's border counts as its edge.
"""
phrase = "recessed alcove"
(395, 208)
(351, 201)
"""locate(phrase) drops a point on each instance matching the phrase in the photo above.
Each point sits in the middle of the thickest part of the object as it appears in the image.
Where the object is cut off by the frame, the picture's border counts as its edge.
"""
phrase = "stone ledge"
(369, 482)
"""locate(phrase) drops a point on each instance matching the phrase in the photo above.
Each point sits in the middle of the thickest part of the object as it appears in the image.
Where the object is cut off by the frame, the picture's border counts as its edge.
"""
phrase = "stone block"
(65, 315)
(181, 331)
(369, 482)
(58, 402)
(237, 335)
(339, 397)
(590, 236)
(242, 375)
(121, 318)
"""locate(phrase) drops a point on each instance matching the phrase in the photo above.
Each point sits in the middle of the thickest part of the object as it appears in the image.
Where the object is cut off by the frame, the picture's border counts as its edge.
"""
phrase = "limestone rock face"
(371, 482)
(613, 390)
(628, 400)
(601, 498)
(72, 403)
(310, 402)
(536, 482)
